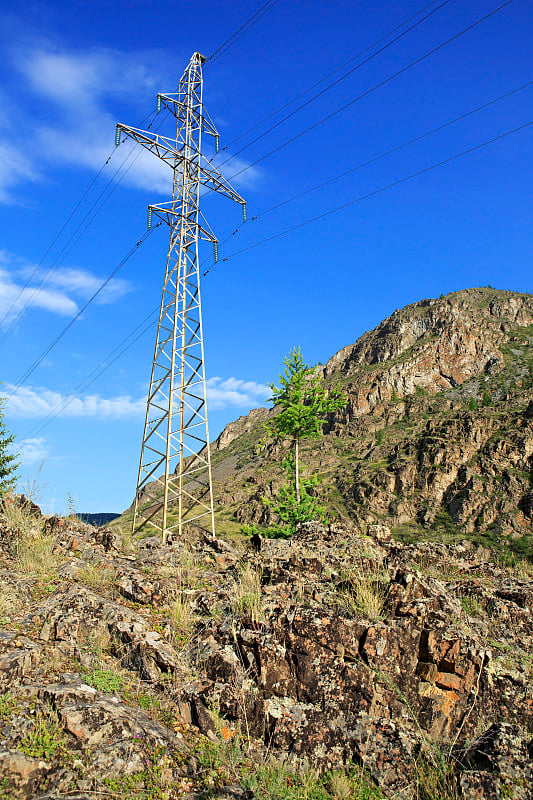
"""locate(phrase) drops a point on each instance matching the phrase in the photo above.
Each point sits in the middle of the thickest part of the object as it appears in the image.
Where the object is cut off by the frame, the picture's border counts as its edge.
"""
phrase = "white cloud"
(13, 297)
(34, 403)
(235, 392)
(84, 90)
(14, 169)
(64, 288)
(79, 80)
(32, 451)
(29, 402)
(83, 283)
(249, 179)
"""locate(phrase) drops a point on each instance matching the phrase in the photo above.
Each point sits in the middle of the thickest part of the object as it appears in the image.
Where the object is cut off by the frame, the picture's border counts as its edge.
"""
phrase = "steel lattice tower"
(175, 446)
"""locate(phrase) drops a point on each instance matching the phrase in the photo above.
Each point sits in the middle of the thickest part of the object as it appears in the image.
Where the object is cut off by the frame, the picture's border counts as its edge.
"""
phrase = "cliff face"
(441, 343)
(437, 430)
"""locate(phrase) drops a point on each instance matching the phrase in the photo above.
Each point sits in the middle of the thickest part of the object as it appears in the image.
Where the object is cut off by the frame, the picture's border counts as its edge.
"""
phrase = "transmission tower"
(175, 452)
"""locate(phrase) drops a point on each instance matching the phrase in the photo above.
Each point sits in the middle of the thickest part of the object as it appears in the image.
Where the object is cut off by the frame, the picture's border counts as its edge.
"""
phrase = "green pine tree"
(8, 461)
(292, 509)
(303, 405)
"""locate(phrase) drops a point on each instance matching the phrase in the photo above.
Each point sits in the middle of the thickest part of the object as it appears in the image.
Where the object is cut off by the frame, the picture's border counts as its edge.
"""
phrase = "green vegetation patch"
(47, 740)
(105, 680)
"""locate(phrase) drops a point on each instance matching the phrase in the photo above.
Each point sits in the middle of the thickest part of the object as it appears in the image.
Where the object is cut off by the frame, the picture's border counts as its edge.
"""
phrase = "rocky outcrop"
(361, 657)
(341, 646)
(242, 425)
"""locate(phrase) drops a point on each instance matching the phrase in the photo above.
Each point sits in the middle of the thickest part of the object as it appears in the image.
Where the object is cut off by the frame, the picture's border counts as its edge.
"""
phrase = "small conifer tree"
(8, 461)
(303, 403)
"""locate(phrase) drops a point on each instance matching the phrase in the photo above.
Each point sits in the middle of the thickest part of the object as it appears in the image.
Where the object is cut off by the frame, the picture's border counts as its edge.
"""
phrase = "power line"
(218, 52)
(328, 75)
(93, 297)
(128, 342)
(95, 373)
(373, 88)
(245, 27)
(228, 43)
(392, 150)
(73, 240)
(64, 225)
(56, 237)
(337, 81)
(378, 191)
(373, 160)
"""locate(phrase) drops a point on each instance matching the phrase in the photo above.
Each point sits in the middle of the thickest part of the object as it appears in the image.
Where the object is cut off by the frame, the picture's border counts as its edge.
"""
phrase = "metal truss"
(174, 485)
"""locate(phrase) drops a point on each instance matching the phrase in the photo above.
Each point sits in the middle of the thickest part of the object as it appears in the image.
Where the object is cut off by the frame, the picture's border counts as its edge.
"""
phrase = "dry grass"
(33, 550)
(435, 777)
(474, 606)
(184, 568)
(97, 576)
(247, 595)
(341, 786)
(524, 570)
(98, 643)
(363, 590)
(128, 543)
(446, 571)
(183, 619)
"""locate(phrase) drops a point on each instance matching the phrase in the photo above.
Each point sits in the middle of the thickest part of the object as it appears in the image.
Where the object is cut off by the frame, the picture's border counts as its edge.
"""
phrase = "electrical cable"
(56, 237)
(392, 150)
(97, 206)
(267, 7)
(245, 27)
(372, 89)
(228, 43)
(62, 228)
(66, 250)
(128, 342)
(328, 75)
(378, 191)
(95, 373)
(93, 297)
(373, 160)
(337, 81)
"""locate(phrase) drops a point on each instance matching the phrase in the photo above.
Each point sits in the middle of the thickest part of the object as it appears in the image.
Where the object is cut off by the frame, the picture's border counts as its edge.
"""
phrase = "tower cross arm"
(161, 146)
(211, 178)
(175, 103)
(167, 212)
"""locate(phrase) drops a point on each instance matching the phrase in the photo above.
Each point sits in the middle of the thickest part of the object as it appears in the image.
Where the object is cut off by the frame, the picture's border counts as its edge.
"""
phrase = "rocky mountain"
(387, 654)
(437, 434)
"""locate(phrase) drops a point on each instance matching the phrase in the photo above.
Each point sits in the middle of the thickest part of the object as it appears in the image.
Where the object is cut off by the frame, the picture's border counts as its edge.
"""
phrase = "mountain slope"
(437, 432)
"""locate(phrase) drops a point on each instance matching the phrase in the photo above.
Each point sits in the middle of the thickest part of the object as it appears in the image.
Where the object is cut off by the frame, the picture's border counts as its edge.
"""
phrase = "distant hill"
(98, 519)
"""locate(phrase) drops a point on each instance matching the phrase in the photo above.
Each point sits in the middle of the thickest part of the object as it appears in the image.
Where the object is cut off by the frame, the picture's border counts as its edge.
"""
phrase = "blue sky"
(70, 71)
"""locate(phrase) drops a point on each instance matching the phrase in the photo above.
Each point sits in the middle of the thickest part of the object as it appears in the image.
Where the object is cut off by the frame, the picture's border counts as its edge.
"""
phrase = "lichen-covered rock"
(498, 764)
(74, 613)
(20, 775)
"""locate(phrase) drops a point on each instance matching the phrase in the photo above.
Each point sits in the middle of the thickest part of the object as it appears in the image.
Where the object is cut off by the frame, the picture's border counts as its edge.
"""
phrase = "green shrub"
(8, 461)
(105, 680)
